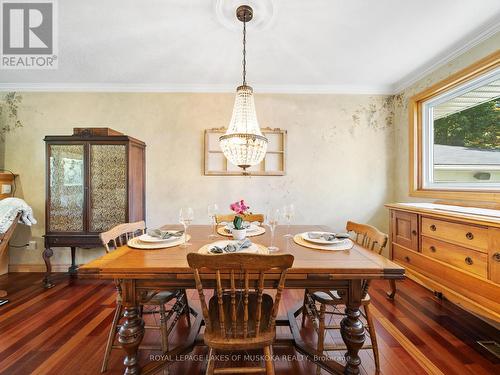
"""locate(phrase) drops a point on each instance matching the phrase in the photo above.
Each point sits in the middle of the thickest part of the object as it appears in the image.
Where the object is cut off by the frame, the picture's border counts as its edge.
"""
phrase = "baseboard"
(37, 267)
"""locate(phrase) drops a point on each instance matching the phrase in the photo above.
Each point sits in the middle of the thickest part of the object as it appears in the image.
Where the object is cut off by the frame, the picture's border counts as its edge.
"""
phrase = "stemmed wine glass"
(212, 210)
(288, 213)
(186, 216)
(272, 220)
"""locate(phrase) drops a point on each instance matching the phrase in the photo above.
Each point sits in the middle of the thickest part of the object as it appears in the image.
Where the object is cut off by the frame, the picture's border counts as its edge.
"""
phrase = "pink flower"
(239, 207)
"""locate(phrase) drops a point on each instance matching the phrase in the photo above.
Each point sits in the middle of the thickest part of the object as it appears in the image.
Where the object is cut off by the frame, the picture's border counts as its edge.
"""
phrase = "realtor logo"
(28, 35)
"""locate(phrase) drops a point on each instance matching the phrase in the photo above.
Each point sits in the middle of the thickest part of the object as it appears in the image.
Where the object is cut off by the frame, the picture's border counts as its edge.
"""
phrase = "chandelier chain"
(244, 51)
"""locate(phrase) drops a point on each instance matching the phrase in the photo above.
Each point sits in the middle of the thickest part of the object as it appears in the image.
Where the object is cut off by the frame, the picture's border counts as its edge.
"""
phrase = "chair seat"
(234, 335)
(332, 297)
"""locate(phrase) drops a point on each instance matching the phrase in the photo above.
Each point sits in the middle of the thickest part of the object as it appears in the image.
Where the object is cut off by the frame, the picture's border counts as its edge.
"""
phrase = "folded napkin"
(231, 247)
(325, 236)
(164, 234)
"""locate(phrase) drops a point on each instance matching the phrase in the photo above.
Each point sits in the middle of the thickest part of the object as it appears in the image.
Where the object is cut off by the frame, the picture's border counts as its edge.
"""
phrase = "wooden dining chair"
(240, 316)
(219, 219)
(372, 239)
(116, 237)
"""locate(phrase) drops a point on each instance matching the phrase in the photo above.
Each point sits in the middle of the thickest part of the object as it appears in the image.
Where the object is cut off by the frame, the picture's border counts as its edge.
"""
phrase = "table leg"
(47, 282)
(353, 331)
(132, 330)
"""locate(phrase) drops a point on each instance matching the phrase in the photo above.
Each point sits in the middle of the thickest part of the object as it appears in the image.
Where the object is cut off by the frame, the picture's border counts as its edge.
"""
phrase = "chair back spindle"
(117, 234)
(230, 217)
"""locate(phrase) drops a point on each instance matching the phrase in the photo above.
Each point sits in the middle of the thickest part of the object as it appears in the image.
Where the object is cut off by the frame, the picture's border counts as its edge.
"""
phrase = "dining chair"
(240, 316)
(219, 219)
(372, 239)
(116, 237)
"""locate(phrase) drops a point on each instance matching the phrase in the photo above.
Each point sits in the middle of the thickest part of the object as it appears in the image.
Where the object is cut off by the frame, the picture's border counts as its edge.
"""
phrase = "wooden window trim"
(477, 69)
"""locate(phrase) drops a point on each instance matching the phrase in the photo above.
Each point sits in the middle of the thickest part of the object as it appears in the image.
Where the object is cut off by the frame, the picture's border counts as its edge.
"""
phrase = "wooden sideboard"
(454, 252)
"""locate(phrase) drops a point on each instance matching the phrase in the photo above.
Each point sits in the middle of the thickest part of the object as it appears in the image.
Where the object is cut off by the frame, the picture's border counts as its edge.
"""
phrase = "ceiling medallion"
(264, 13)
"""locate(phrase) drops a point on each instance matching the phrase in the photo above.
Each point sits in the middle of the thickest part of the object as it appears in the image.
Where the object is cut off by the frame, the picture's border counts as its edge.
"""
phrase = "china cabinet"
(95, 180)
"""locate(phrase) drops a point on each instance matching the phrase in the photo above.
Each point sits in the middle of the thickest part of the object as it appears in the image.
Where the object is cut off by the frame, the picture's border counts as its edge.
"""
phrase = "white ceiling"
(300, 46)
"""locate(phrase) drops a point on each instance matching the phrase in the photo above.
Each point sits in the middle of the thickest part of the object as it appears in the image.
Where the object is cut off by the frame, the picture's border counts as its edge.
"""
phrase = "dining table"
(141, 273)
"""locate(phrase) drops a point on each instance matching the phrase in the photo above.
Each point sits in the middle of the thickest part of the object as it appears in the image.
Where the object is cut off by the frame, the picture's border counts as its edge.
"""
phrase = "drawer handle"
(469, 236)
(496, 257)
(433, 227)
(407, 258)
(414, 232)
(433, 249)
(468, 261)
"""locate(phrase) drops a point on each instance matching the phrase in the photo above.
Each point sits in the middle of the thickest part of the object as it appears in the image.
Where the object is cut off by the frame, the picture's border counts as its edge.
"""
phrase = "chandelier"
(243, 144)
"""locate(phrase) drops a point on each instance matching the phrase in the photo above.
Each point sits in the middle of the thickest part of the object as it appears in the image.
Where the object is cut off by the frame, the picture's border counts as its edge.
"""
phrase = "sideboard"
(451, 250)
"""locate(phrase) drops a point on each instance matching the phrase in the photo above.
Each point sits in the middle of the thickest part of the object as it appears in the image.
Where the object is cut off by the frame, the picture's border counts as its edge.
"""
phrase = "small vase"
(239, 234)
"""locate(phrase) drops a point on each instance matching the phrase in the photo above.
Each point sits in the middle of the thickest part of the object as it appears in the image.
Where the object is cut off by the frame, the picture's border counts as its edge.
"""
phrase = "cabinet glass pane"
(108, 186)
(66, 188)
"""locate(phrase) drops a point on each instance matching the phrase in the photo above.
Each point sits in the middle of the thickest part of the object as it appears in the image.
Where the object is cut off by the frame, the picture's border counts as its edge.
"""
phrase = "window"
(456, 135)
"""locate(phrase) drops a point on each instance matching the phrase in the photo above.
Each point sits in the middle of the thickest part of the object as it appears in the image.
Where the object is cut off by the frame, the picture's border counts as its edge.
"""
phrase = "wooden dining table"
(141, 273)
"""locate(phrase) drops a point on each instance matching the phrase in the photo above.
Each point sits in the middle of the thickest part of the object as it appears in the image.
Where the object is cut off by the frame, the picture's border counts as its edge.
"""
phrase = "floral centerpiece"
(241, 209)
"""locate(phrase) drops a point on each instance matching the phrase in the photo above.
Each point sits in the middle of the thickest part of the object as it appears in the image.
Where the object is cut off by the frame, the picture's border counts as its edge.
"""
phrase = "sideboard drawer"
(467, 235)
(461, 257)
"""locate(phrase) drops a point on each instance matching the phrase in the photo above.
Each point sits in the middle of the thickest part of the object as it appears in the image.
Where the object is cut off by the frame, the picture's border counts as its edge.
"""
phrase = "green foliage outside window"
(477, 127)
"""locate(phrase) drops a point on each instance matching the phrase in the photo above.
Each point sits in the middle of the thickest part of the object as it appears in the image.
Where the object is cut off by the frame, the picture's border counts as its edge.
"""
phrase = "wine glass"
(288, 214)
(272, 220)
(212, 210)
(186, 216)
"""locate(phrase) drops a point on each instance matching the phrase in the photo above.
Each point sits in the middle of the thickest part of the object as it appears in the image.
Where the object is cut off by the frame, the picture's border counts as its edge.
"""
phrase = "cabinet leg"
(353, 334)
(73, 268)
(47, 282)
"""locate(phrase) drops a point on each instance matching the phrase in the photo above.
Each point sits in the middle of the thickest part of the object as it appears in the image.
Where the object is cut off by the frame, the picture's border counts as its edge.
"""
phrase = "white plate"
(320, 241)
(253, 249)
(150, 239)
(251, 228)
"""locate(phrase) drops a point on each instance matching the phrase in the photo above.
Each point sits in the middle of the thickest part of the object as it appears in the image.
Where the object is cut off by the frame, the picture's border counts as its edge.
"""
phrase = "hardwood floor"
(63, 331)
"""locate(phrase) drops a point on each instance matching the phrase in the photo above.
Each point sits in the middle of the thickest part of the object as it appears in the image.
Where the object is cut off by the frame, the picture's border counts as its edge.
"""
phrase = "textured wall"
(340, 154)
(401, 172)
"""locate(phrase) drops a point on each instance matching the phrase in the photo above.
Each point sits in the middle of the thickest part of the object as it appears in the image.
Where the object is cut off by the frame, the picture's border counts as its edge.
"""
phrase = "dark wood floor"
(63, 331)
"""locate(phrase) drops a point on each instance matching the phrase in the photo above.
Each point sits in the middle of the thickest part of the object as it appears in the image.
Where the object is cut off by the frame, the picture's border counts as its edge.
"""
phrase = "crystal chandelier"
(243, 144)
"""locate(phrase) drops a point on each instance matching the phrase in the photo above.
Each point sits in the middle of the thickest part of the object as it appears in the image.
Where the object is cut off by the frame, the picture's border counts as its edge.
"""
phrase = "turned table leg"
(73, 268)
(132, 330)
(352, 330)
(47, 282)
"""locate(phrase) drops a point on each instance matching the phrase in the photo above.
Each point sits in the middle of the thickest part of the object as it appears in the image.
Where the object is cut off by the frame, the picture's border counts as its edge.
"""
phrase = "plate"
(253, 249)
(251, 227)
(320, 241)
(150, 239)
(138, 244)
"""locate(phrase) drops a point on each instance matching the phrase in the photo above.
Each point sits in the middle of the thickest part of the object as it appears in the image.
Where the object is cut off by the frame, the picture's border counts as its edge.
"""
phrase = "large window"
(456, 135)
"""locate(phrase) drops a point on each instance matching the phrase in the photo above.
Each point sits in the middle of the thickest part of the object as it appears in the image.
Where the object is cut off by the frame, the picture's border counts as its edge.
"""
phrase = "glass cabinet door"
(66, 188)
(108, 186)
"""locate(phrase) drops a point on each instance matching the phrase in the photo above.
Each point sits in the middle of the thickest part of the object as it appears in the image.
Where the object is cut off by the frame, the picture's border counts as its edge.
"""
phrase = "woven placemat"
(138, 244)
(222, 231)
(344, 245)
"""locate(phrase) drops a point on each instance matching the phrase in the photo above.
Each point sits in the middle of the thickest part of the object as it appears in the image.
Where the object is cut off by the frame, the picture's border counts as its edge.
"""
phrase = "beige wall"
(340, 154)
(401, 109)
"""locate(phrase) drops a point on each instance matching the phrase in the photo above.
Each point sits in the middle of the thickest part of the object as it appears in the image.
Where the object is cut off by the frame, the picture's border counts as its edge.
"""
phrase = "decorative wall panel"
(273, 164)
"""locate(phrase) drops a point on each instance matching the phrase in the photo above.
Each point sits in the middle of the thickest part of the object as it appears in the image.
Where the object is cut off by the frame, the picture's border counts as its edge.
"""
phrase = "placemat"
(138, 244)
(344, 245)
(222, 231)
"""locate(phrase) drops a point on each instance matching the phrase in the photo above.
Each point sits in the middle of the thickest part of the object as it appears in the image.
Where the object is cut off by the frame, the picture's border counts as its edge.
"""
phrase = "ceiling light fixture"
(243, 144)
